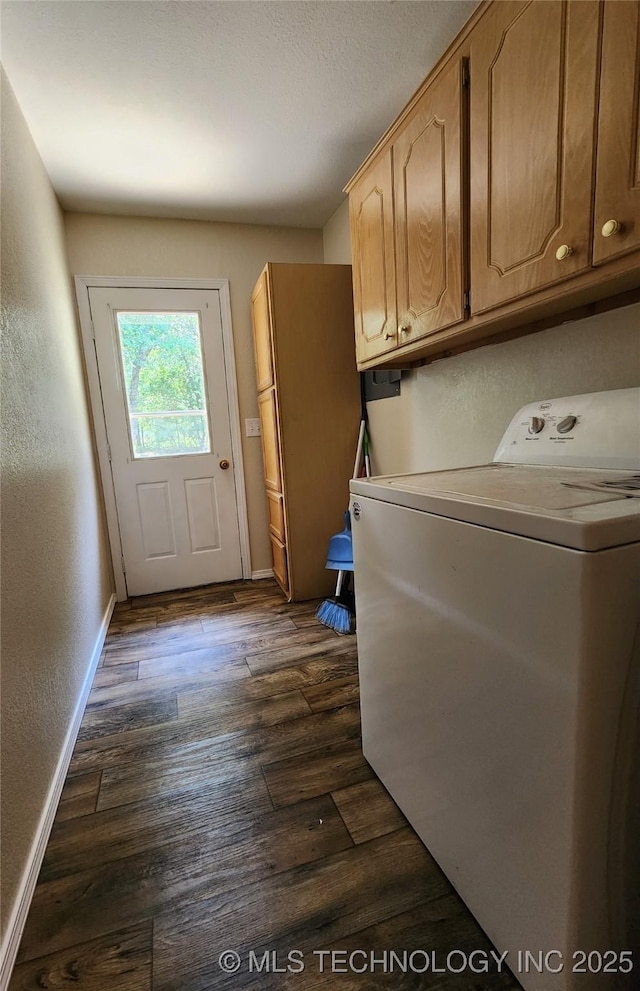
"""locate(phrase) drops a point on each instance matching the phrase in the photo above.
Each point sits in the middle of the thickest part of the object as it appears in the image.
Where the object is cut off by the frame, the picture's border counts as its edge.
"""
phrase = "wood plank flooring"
(217, 799)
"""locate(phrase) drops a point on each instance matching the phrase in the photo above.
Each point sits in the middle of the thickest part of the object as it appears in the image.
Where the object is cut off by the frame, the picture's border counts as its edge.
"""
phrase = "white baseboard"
(18, 917)
(265, 573)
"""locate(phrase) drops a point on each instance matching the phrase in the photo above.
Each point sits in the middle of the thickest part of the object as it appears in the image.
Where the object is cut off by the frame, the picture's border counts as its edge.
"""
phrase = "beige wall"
(100, 245)
(56, 581)
(453, 412)
(336, 237)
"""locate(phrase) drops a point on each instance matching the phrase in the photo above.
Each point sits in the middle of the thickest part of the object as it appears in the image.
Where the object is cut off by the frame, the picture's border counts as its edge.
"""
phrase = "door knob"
(224, 464)
(611, 227)
(563, 252)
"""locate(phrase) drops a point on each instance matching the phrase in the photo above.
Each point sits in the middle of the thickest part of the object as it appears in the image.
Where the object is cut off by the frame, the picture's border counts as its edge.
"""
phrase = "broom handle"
(359, 450)
(339, 583)
(365, 447)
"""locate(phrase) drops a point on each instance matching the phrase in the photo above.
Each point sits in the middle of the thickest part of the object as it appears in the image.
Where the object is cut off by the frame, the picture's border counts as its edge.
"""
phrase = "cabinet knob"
(388, 336)
(611, 227)
(563, 252)
(224, 464)
(405, 328)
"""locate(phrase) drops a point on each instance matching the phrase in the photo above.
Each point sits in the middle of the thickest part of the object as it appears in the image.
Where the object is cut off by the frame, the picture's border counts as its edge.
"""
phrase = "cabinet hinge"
(93, 330)
(466, 74)
(466, 300)
(124, 570)
(109, 451)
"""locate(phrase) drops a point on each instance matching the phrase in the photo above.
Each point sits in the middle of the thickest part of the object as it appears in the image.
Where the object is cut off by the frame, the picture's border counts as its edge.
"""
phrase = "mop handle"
(359, 450)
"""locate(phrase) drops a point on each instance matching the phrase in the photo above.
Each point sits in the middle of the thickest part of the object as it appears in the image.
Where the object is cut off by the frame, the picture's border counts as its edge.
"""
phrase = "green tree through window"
(162, 358)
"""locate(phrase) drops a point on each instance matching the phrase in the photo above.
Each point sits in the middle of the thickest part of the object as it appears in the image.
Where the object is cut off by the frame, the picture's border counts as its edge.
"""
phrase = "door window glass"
(164, 383)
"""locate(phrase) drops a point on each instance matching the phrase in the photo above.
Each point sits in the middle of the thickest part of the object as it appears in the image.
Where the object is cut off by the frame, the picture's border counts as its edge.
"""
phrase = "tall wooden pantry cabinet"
(309, 406)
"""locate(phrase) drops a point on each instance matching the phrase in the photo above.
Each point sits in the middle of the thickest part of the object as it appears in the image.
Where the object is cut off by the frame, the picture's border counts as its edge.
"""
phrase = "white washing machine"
(499, 650)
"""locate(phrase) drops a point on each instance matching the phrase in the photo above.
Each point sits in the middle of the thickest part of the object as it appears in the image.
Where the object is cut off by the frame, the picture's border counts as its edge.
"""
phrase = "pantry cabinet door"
(617, 214)
(428, 167)
(372, 246)
(268, 412)
(261, 320)
(533, 93)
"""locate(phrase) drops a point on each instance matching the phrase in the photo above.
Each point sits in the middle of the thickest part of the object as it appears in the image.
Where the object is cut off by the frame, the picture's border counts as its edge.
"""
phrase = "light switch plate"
(252, 427)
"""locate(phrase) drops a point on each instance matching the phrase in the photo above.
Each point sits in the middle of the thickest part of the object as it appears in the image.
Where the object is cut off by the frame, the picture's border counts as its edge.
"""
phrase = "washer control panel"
(595, 430)
(564, 426)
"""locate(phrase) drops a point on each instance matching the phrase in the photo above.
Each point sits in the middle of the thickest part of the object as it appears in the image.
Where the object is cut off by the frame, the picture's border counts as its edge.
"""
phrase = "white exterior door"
(160, 356)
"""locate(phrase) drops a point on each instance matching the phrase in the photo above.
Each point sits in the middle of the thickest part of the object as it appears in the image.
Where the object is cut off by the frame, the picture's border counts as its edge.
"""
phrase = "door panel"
(513, 244)
(371, 211)
(276, 514)
(260, 314)
(161, 364)
(427, 159)
(618, 154)
(269, 432)
(532, 112)
(202, 510)
(156, 519)
(279, 557)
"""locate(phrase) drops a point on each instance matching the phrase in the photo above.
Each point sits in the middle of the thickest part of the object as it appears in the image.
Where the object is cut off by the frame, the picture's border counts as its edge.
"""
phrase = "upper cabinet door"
(261, 318)
(617, 216)
(427, 162)
(533, 91)
(372, 245)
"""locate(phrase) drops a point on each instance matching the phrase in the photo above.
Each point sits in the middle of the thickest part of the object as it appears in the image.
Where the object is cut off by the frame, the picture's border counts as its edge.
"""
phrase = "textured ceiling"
(252, 112)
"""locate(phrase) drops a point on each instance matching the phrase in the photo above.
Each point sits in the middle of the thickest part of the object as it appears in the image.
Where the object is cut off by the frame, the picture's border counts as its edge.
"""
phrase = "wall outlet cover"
(252, 427)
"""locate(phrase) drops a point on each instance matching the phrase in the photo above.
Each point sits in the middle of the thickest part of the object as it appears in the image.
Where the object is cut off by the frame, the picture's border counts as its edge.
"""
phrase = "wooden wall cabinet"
(541, 167)
(617, 200)
(532, 117)
(374, 271)
(309, 406)
(406, 226)
(543, 119)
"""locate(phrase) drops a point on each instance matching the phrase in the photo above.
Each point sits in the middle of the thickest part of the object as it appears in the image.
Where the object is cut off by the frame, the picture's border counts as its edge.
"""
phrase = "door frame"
(83, 283)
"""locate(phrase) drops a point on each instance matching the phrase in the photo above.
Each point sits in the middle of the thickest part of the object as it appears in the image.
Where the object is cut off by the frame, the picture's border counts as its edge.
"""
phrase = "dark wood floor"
(218, 799)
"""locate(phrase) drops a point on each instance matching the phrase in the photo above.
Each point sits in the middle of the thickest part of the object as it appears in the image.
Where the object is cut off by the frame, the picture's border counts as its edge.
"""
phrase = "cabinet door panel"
(270, 445)
(532, 112)
(261, 318)
(275, 511)
(618, 151)
(372, 245)
(279, 558)
(427, 159)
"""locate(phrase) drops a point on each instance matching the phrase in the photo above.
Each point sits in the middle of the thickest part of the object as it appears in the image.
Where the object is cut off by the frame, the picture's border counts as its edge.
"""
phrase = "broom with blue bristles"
(338, 612)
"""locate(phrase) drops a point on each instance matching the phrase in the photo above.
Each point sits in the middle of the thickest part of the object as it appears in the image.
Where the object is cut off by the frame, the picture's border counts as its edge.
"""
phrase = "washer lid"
(586, 509)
